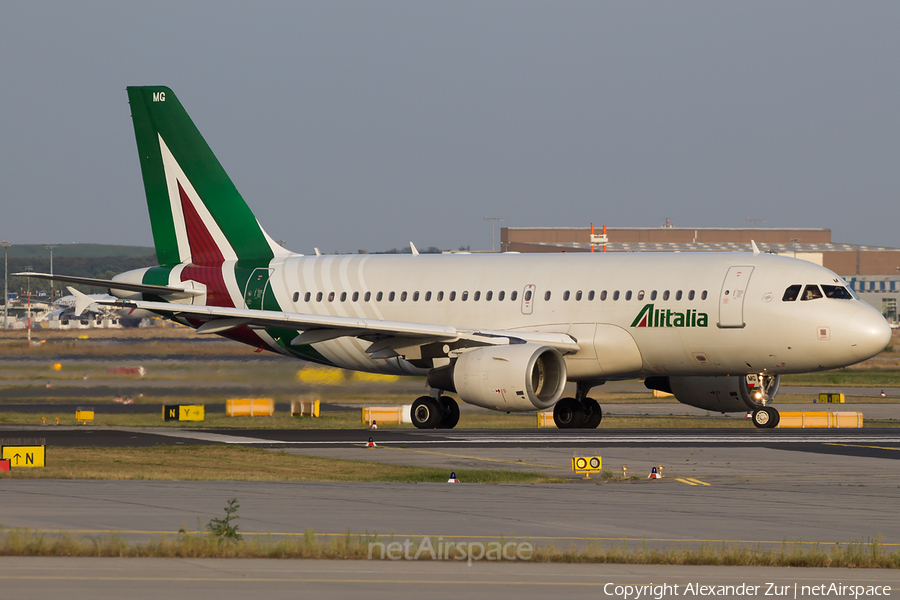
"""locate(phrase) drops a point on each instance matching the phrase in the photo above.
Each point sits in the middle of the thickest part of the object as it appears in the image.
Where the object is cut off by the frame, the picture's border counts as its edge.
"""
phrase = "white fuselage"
(712, 314)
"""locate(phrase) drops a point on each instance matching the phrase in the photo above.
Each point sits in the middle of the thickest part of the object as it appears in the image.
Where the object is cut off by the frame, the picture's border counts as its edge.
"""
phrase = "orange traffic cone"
(371, 444)
(655, 474)
(453, 478)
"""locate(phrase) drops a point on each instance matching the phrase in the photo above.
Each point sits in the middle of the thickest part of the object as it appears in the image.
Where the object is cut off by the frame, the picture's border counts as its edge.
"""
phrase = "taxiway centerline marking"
(861, 446)
(496, 460)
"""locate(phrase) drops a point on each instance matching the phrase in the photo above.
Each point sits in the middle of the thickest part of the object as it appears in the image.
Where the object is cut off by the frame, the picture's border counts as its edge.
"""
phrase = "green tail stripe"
(156, 112)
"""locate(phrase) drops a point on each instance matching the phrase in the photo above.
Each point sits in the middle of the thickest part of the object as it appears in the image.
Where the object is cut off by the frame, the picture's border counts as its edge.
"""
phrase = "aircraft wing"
(389, 338)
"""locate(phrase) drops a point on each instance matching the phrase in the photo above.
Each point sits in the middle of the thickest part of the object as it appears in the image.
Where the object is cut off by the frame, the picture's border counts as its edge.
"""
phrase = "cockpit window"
(811, 292)
(836, 291)
(791, 293)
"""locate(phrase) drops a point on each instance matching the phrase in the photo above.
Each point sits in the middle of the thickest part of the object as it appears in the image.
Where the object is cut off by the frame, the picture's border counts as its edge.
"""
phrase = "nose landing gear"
(765, 417)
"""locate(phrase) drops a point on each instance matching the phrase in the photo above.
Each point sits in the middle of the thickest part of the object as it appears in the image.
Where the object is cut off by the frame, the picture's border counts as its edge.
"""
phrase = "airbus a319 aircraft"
(501, 331)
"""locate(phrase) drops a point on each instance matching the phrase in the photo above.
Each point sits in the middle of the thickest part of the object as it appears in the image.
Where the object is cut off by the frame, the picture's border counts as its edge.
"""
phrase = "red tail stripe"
(204, 250)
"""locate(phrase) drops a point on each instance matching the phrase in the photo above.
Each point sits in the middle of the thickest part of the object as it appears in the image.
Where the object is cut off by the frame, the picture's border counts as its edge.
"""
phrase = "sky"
(366, 125)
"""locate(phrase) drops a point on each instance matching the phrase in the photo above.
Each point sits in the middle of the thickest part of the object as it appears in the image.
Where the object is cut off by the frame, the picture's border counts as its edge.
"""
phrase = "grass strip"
(26, 542)
(238, 463)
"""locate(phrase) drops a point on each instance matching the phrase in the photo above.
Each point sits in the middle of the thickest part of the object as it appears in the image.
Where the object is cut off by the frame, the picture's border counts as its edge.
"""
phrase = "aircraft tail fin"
(196, 212)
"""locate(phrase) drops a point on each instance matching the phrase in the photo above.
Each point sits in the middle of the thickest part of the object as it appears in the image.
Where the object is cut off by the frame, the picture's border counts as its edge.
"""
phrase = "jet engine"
(720, 394)
(514, 378)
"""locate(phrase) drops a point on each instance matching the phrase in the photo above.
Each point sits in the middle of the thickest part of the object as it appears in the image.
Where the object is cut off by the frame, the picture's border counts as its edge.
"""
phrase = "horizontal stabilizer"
(116, 285)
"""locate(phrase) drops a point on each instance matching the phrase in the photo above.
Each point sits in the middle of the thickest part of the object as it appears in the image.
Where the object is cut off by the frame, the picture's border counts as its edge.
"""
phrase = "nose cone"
(869, 334)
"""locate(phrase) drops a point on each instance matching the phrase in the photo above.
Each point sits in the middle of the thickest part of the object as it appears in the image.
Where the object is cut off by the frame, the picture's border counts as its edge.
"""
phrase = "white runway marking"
(467, 439)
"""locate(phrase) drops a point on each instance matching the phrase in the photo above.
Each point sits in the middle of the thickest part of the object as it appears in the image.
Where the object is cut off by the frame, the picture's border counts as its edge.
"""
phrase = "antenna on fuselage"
(755, 247)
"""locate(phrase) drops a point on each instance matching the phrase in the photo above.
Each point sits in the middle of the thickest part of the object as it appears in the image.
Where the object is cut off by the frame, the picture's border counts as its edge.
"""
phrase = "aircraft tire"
(426, 413)
(766, 417)
(451, 413)
(593, 414)
(569, 414)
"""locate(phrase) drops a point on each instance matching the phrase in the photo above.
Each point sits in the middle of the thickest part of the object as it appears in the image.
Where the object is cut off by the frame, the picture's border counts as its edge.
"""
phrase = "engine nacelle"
(514, 378)
(720, 394)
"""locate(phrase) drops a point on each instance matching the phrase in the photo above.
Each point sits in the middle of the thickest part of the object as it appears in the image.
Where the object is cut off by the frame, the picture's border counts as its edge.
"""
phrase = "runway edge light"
(655, 474)
(371, 444)
(453, 478)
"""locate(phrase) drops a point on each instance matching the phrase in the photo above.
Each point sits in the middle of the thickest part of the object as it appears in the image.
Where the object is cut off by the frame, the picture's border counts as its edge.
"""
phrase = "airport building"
(873, 272)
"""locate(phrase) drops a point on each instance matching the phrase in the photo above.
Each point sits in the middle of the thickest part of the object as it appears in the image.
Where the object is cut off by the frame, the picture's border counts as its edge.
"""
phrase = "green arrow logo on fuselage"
(665, 317)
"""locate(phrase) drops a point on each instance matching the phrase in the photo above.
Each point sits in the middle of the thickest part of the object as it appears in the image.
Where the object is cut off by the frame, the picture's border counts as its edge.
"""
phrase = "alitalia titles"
(651, 316)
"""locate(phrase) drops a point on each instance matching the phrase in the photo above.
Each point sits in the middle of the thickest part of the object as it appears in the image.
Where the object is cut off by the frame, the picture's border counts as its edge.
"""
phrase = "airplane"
(101, 303)
(502, 331)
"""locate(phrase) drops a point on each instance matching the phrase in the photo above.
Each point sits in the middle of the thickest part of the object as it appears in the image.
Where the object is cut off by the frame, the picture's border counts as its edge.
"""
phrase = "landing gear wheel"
(568, 414)
(766, 417)
(593, 413)
(451, 413)
(426, 413)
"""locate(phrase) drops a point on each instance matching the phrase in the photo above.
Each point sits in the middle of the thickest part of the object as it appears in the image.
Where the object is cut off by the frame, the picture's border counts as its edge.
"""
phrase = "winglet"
(755, 247)
(412, 247)
(82, 301)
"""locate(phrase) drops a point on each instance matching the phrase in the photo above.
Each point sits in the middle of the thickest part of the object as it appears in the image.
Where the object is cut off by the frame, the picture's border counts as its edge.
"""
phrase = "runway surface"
(236, 579)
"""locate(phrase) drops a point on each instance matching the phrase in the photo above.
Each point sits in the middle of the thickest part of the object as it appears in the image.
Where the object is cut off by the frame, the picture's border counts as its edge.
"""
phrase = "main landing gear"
(579, 412)
(765, 417)
(431, 413)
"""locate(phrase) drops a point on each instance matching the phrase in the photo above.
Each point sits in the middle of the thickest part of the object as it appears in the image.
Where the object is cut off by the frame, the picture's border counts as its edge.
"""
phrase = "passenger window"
(391, 297)
(691, 295)
(296, 296)
(319, 297)
(791, 293)
(427, 296)
(640, 295)
(836, 291)
(500, 296)
(578, 295)
(379, 296)
(591, 295)
(703, 295)
(603, 296)
(368, 296)
(616, 295)
(565, 295)
(476, 296)
(546, 296)
(513, 295)
(666, 295)
(343, 296)
(628, 295)
(488, 296)
(306, 297)
(527, 296)
(415, 296)
(465, 296)
(678, 295)
(653, 295)
(811, 292)
(440, 296)
(355, 296)
(402, 296)
(452, 296)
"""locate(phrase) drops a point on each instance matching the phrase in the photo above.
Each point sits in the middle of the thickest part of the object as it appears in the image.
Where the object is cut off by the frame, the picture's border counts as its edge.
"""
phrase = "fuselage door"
(528, 299)
(256, 288)
(731, 299)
